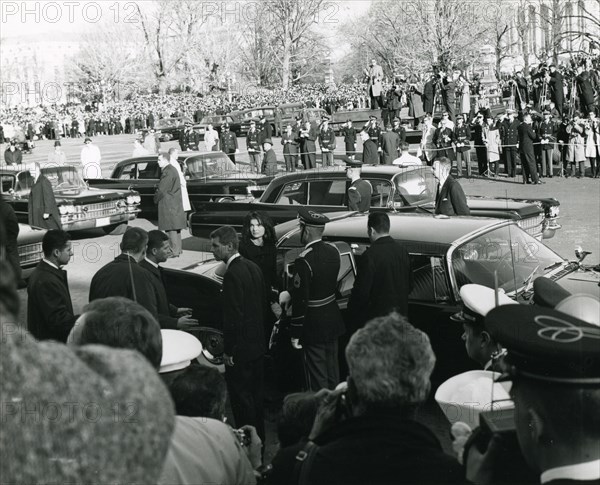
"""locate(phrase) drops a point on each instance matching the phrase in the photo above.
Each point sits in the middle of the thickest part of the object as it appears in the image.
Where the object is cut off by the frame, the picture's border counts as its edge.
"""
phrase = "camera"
(243, 436)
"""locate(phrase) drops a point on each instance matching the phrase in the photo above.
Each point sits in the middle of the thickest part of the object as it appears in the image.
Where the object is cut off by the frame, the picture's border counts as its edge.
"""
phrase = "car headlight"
(137, 199)
(554, 211)
(62, 210)
(130, 199)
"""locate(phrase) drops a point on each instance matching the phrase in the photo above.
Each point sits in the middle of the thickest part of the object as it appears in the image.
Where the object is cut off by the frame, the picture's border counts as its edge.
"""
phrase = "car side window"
(24, 183)
(150, 170)
(129, 172)
(327, 192)
(8, 183)
(346, 275)
(295, 193)
(430, 283)
(381, 193)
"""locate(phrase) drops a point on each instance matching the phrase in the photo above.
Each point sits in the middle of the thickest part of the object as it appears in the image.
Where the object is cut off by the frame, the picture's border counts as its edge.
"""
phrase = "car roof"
(367, 170)
(153, 158)
(413, 227)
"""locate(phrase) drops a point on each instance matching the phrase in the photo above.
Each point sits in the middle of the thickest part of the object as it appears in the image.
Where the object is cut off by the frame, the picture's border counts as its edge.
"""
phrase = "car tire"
(115, 229)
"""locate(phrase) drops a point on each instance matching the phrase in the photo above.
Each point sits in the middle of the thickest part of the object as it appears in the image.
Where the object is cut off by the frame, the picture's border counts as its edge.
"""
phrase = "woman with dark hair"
(258, 245)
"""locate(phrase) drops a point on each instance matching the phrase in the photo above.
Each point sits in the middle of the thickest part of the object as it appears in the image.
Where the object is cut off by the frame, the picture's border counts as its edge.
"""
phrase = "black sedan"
(445, 254)
(399, 189)
(217, 121)
(211, 177)
(168, 129)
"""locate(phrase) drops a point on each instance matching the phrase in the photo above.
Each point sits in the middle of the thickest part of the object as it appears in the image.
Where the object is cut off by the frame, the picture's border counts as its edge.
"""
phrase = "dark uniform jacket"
(383, 281)
(401, 131)
(359, 195)
(327, 138)
(253, 141)
(370, 146)
(428, 96)
(451, 199)
(124, 277)
(316, 317)
(244, 302)
(547, 131)
(49, 307)
(509, 133)
(269, 164)
(290, 143)
(266, 132)
(41, 201)
(443, 138)
(167, 313)
(11, 157)
(8, 220)
(585, 88)
(381, 448)
(171, 215)
(229, 142)
(349, 134)
(462, 134)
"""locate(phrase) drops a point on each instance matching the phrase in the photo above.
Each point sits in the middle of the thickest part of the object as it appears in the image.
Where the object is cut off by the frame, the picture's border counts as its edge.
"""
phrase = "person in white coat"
(90, 160)
(173, 154)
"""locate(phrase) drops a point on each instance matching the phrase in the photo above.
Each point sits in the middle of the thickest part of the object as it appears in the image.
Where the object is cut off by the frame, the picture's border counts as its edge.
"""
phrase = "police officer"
(253, 144)
(371, 148)
(316, 319)
(547, 131)
(360, 190)
(349, 133)
(462, 140)
(477, 301)
(326, 142)
(553, 361)
(229, 143)
(509, 137)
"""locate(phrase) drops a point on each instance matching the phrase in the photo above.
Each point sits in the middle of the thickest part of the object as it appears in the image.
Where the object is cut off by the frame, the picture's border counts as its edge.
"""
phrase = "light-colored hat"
(478, 301)
(179, 349)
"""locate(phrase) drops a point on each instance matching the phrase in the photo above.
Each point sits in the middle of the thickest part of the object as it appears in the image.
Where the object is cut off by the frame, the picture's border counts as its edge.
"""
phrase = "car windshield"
(217, 165)
(64, 178)
(167, 123)
(210, 119)
(508, 252)
(414, 187)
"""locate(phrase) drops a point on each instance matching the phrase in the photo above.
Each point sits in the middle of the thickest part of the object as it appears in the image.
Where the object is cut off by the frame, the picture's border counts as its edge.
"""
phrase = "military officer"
(444, 137)
(253, 139)
(316, 319)
(326, 142)
(400, 131)
(509, 137)
(547, 131)
(477, 301)
(462, 140)
(360, 190)
(371, 142)
(553, 362)
(229, 143)
(184, 137)
(349, 133)
(290, 148)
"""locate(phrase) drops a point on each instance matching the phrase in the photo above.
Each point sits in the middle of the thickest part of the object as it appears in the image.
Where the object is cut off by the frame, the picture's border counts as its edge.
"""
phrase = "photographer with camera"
(366, 432)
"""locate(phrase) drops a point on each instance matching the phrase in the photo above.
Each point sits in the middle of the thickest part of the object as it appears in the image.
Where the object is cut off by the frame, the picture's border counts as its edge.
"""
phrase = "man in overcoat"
(171, 216)
(41, 205)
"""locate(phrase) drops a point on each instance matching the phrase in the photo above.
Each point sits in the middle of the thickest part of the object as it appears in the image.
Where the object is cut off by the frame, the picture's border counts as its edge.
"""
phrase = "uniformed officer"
(509, 137)
(316, 319)
(462, 140)
(326, 142)
(477, 301)
(360, 190)
(399, 130)
(349, 133)
(371, 144)
(547, 131)
(253, 145)
(553, 361)
(229, 143)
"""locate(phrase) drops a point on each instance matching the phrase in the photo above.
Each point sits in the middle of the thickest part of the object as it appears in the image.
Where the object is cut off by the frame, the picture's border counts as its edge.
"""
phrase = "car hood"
(580, 281)
(487, 203)
(89, 195)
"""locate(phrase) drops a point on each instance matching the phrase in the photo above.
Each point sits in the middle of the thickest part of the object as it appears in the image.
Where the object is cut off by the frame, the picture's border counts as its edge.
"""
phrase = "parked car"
(217, 121)
(288, 115)
(401, 189)
(445, 254)
(168, 129)
(360, 118)
(30, 248)
(211, 177)
(80, 206)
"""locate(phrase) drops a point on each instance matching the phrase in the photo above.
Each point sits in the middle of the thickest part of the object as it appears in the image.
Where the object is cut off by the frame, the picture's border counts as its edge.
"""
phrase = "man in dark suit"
(290, 148)
(384, 278)
(41, 205)
(316, 319)
(168, 198)
(349, 133)
(266, 130)
(49, 307)
(253, 144)
(244, 305)
(124, 277)
(12, 155)
(526, 150)
(158, 251)
(449, 93)
(229, 143)
(557, 92)
(269, 164)
(8, 221)
(429, 94)
(450, 198)
(390, 145)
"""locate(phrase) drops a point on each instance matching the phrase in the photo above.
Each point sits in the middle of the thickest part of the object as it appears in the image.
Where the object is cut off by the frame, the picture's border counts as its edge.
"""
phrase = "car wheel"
(115, 229)
(224, 199)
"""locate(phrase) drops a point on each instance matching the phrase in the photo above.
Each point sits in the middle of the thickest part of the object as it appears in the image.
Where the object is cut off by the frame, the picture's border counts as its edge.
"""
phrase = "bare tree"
(170, 29)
